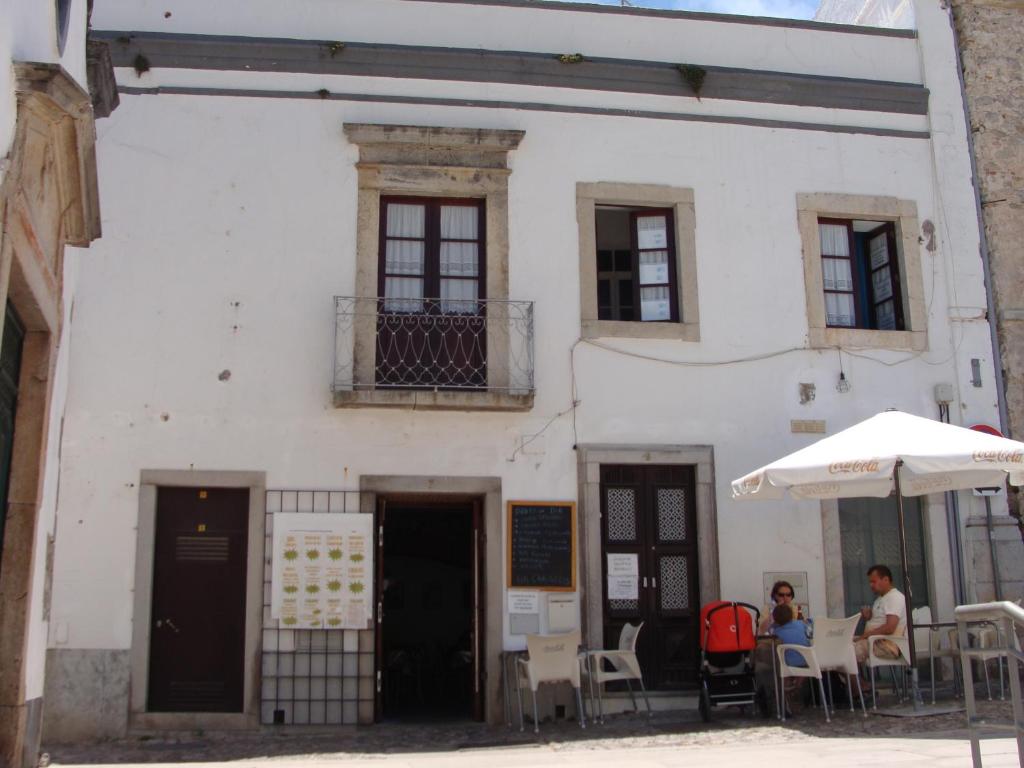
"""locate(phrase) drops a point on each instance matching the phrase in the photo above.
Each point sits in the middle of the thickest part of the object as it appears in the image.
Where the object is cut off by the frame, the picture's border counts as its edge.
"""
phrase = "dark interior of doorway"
(428, 610)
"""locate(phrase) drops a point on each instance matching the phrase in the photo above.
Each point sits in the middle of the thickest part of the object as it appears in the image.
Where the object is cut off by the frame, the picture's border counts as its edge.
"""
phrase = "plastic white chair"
(833, 649)
(874, 661)
(625, 666)
(928, 644)
(552, 659)
(813, 669)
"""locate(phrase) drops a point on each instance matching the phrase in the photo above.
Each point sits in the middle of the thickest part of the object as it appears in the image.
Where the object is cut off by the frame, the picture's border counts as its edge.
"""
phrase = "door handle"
(645, 582)
(169, 623)
(654, 582)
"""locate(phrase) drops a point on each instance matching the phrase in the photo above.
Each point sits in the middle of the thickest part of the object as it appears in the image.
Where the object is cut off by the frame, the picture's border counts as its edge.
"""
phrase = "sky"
(788, 9)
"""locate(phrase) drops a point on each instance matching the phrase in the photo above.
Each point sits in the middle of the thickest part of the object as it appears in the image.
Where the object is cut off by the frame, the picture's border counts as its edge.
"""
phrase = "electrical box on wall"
(561, 613)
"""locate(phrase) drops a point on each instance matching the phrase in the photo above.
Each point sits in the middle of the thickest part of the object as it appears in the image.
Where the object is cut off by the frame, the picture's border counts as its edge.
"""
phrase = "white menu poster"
(322, 570)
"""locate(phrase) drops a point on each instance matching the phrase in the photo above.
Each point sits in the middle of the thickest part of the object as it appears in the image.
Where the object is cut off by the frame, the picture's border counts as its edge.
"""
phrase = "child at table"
(791, 631)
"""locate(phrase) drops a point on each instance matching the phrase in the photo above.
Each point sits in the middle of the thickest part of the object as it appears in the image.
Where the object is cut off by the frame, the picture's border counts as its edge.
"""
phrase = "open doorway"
(428, 639)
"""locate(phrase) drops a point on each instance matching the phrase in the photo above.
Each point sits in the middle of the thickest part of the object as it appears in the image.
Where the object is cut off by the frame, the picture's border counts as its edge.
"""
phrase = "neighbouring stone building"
(48, 200)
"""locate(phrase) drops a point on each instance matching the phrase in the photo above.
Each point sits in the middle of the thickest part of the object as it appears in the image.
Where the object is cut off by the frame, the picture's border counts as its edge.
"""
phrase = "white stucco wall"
(231, 222)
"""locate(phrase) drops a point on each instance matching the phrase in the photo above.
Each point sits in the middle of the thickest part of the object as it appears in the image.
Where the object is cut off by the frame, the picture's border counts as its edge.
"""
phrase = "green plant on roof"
(290, 554)
(291, 589)
(289, 620)
(694, 77)
(571, 58)
(312, 554)
(335, 48)
(312, 588)
(334, 554)
(356, 557)
(356, 587)
(334, 585)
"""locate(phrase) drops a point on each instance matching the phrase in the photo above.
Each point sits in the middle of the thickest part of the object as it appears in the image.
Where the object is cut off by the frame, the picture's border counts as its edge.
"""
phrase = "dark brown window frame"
(431, 274)
(635, 213)
(864, 293)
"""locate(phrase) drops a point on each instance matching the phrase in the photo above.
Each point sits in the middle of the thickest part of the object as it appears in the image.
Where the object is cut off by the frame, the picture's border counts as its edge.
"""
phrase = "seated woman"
(782, 594)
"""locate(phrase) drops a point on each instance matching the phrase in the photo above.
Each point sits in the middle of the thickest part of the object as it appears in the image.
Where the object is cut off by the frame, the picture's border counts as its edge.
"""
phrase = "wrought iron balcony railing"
(433, 344)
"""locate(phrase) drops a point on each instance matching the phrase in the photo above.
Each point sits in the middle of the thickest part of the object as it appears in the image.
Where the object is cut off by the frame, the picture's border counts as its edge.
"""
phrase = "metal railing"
(1006, 617)
(435, 344)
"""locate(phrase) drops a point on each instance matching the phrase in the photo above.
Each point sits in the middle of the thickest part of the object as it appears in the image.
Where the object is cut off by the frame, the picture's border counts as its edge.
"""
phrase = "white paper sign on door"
(623, 588)
(651, 233)
(623, 564)
(653, 274)
(655, 309)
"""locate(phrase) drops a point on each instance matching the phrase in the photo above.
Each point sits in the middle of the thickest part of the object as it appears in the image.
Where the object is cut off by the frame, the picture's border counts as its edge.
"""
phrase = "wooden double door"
(649, 512)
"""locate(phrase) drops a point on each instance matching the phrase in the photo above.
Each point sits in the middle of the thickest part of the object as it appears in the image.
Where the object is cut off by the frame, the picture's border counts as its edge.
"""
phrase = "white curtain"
(458, 296)
(403, 294)
(839, 309)
(406, 220)
(404, 257)
(835, 240)
(459, 222)
(837, 274)
(459, 259)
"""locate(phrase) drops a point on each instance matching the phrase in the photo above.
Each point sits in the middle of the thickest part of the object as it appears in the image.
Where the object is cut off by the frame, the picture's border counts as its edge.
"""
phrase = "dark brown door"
(650, 511)
(197, 631)
(431, 326)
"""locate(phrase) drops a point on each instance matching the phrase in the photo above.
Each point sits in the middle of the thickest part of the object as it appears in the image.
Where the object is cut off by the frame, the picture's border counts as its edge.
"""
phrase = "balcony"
(433, 354)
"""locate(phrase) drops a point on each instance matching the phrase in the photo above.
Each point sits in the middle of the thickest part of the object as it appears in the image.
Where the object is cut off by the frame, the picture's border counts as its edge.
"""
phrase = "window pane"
(604, 261)
(837, 274)
(835, 240)
(406, 220)
(604, 293)
(881, 284)
(624, 261)
(879, 248)
(885, 316)
(839, 309)
(403, 257)
(459, 259)
(653, 267)
(459, 222)
(651, 232)
(403, 294)
(458, 296)
(654, 303)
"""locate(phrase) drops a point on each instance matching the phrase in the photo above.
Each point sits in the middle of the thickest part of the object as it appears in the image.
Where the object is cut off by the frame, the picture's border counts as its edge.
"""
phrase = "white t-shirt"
(892, 603)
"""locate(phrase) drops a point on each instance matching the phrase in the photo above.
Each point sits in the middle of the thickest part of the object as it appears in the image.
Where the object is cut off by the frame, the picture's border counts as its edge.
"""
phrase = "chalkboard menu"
(542, 545)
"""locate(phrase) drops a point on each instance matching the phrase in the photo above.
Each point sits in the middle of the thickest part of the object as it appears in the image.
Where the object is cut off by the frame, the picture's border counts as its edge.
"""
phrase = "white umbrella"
(892, 451)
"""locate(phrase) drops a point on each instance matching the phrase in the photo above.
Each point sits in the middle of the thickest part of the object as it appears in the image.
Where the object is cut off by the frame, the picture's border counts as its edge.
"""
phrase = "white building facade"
(427, 261)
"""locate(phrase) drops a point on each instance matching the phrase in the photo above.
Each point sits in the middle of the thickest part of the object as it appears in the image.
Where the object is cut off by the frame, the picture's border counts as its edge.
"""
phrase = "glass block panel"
(674, 583)
(403, 294)
(671, 514)
(459, 222)
(839, 309)
(835, 239)
(837, 274)
(403, 257)
(459, 259)
(406, 220)
(621, 511)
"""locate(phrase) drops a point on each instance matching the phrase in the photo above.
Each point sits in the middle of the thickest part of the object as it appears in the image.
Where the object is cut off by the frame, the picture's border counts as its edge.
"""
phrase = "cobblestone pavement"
(665, 729)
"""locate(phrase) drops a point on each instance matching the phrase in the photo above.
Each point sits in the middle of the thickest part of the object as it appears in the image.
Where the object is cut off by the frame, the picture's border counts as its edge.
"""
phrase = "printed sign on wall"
(322, 575)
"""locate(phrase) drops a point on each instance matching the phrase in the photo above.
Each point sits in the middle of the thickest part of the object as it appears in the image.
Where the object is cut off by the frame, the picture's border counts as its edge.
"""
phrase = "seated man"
(888, 616)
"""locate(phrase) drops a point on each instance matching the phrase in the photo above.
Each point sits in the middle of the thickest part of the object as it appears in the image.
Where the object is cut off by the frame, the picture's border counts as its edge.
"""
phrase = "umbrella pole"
(915, 690)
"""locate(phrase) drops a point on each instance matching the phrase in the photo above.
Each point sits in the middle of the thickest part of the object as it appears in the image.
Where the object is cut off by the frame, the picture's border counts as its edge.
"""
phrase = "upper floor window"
(636, 264)
(860, 274)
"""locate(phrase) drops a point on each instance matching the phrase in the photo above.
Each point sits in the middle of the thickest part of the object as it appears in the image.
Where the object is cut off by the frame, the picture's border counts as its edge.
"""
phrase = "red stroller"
(727, 641)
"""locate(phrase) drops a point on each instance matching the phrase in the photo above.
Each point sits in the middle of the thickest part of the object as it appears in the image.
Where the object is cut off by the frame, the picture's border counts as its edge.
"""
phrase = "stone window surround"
(871, 208)
(149, 481)
(680, 199)
(589, 459)
(435, 162)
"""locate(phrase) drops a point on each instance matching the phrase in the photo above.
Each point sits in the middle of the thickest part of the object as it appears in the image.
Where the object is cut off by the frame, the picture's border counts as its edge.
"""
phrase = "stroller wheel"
(705, 705)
